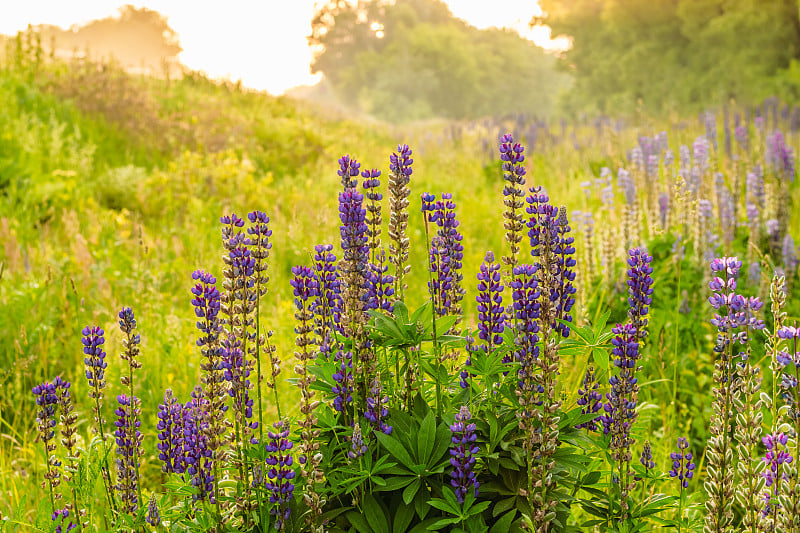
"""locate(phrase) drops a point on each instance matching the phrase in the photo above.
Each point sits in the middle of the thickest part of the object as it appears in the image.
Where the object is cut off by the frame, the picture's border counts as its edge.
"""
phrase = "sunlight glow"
(261, 42)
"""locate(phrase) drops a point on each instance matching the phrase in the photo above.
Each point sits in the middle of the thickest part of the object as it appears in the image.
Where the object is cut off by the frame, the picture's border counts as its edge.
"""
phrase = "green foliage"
(675, 55)
(426, 63)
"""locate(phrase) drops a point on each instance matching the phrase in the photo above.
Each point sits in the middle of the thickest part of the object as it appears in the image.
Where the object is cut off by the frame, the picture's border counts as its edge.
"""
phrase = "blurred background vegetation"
(115, 166)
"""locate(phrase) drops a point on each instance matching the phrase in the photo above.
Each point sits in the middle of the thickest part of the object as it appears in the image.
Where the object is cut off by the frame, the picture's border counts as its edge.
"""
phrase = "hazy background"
(409, 60)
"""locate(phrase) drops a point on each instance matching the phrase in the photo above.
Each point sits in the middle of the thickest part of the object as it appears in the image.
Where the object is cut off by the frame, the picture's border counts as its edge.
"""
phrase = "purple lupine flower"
(60, 516)
(237, 374)
(153, 517)
(491, 313)
(206, 303)
(739, 311)
(775, 458)
(646, 459)
(354, 237)
(129, 441)
(682, 465)
(376, 411)
(374, 216)
(327, 308)
(170, 434)
(400, 163)
(93, 340)
(46, 395)
(462, 455)
(357, 446)
(511, 154)
(280, 473)
(621, 404)
(640, 289)
(380, 285)
(525, 296)
(590, 399)
(348, 168)
(343, 389)
(563, 293)
(449, 254)
(198, 456)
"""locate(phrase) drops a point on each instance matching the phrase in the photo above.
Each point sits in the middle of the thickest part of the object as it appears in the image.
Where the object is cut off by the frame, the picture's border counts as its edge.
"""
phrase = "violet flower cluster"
(463, 455)
(682, 465)
(129, 440)
(280, 473)
(640, 289)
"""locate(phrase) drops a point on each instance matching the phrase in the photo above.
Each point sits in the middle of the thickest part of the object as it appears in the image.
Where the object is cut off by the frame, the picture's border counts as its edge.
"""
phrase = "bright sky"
(261, 42)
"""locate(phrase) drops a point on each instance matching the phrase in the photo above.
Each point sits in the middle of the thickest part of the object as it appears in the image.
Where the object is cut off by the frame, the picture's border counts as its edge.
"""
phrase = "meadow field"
(610, 321)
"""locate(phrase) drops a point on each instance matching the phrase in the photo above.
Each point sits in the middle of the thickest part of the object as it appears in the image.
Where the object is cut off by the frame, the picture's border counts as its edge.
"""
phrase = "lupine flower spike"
(399, 191)
(46, 401)
(511, 154)
(463, 453)
(280, 473)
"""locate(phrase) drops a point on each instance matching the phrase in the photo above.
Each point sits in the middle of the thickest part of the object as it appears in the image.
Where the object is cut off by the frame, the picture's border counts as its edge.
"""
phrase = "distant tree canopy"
(677, 54)
(413, 59)
(138, 37)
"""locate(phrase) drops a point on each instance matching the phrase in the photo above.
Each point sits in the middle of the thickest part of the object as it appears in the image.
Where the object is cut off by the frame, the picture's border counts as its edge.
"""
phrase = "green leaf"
(410, 491)
(445, 506)
(401, 312)
(423, 526)
(358, 521)
(395, 448)
(374, 514)
(504, 524)
(395, 483)
(403, 514)
(426, 438)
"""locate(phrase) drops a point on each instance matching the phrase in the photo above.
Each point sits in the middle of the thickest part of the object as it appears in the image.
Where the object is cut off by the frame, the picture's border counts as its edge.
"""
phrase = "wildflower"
(621, 407)
(450, 253)
(327, 307)
(280, 473)
(93, 340)
(348, 168)
(511, 154)
(775, 458)
(399, 179)
(198, 456)
(590, 400)
(646, 458)
(46, 401)
(206, 302)
(129, 440)
(305, 286)
(60, 516)
(374, 219)
(491, 314)
(525, 296)
(380, 284)
(462, 455)
(640, 290)
(153, 517)
(343, 389)
(682, 465)
(170, 434)
(127, 324)
(376, 411)
(357, 446)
